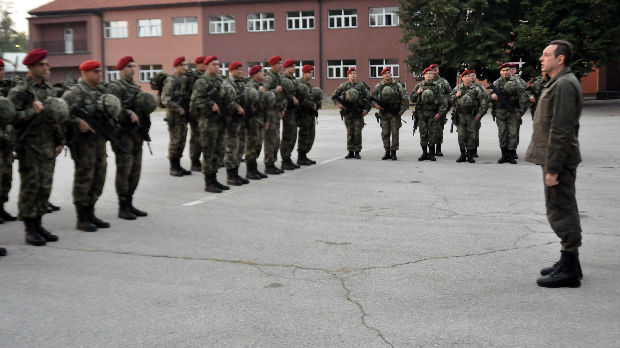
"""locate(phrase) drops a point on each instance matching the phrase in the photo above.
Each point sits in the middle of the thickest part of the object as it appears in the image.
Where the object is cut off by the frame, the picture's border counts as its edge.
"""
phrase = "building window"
(342, 19)
(115, 30)
(149, 27)
(300, 65)
(265, 65)
(147, 72)
(261, 22)
(111, 74)
(300, 20)
(376, 65)
(221, 24)
(337, 69)
(383, 17)
(184, 26)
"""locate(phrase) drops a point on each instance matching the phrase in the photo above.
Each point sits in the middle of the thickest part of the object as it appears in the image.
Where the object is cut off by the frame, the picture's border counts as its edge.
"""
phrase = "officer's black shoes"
(431, 154)
(4, 215)
(357, 155)
(124, 210)
(52, 207)
(175, 168)
(2, 252)
(95, 220)
(32, 234)
(462, 158)
(350, 155)
(548, 270)
(287, 164)
(470, 156)
(424, 156)
(565, 273)
(512, 154)
(83, 220)
(252, 171)
(476, 152)
(45, 233)
(438, 150)
(137, 212)
(504, 157)
(196, 166)
(393, 155)
(387, 155)
(210, 184)
(232, 178)
(303, 160)
(272, 169)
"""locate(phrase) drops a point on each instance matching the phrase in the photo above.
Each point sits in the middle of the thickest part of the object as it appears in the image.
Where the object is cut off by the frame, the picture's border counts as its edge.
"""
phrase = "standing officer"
(131, 135)
(234, 127)
(194, 134)
(390, 98)
(470, 104)
(7, 145)
(508, 106)
(255, 123)
(445, 85)
(38, 144)
(88, 146)
(306, 116)
(555, 147)
(430, 105)
(272, 128)
(175, 99)
(289, 122)
(353, 100)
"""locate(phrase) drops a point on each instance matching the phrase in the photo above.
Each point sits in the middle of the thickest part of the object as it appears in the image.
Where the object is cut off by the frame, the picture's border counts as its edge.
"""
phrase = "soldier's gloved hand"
(37, 106)
(340, 106)
(85, 127)
(134, 118)
(279, 89)
(240, 110)
(181, 111)
(437, 116)
(215, 109)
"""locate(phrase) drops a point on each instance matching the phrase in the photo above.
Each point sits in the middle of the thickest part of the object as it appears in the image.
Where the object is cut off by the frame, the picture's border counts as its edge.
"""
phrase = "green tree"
(10, 39)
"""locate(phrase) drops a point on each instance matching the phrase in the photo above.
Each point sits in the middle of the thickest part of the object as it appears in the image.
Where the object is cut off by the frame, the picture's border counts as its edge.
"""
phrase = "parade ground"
(345, 253)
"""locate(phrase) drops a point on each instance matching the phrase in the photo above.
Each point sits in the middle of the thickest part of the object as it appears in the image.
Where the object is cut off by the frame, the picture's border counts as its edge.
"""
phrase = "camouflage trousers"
(354, 124)
(90, 160)
(177, 129)
(430, 129)
(272, 137)
(477, 134)
(307, 131)
(507, 129)
(466, 129)
(390, 129)
(195, 149)
(232, 156)
(128, 165)
(6, 172)
(255, 137)
(444, 120)
(562, 211)
(212, 138)
(289, 134)
(36, 172)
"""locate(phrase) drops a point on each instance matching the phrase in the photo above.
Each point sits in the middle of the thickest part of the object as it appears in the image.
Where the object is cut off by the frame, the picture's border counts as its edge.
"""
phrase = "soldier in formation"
(353, 100)
(470, 104)
(273, 83)
(475, 82)
(195, 149)
(289, 122)
(255, 122)
(309, 105)
(445, 85)
(430, 106)
(235, 137)
(390, 97)
(7, 145)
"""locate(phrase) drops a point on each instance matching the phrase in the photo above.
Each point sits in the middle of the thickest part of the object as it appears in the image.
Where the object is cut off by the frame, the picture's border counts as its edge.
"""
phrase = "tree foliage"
(10, 39)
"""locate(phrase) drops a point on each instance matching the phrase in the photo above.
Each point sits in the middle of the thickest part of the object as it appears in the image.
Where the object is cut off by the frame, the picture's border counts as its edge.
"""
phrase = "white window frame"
(339, 70)
(111, 74)
(265, 65)
(380, 18)
(116, 30)
(145, 75)
(224, 69)
(149, 27)
(342, 18)
(189, 26)
(223, 24)
(263, 22)
(374, 71)
(296, 20)
(300, 65)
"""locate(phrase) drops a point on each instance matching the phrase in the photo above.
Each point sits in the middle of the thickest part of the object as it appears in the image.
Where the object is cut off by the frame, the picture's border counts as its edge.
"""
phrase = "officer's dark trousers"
(562, 211)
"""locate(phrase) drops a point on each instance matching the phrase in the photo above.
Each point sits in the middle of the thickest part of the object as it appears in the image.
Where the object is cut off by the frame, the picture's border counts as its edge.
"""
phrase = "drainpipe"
(103, 65)
(321, 43)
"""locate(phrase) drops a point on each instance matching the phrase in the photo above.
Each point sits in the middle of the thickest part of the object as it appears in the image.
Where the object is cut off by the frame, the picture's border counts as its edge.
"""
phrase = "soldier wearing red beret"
(274, 115)
(7, 147)
(445, 85)
(307, 114)
(195, 149)
(235, 132)
(289, 122)
(255, 125)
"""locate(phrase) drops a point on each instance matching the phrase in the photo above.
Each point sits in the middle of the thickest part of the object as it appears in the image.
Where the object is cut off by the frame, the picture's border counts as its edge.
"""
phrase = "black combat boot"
(350, 155)
(387, 155)
(470, 156)
(431, 153)
(45, 233)
(303, 160)
(210, 185)
(357, 155)
(83, 220)
(1, 221)
(504, 157)
(243, 180)
(565, 273)
(134, 210)
(183, 170)
(196, 166)
(175, 168)
(53, 207)
(476, 152)
(232, 178)
(32, 234)
(251, 171)
(262, 175)
(272, 169)
(124, 210)
(548, 270)
(4, 215)
(462, 158)
(220, 185)
(424, 156)
(393, 155)
(2, 252)
(95, 220)
(287, 164)
(438, 150)
(511, 156)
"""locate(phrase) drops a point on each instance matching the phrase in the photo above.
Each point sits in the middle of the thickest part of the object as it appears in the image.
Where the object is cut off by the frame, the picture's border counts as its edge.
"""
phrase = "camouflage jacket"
(7, 132)
(85, 97)
(536, 87)
(210, 90)
(273, 80)
(517, 101)
(173, 95)
(238, 84)
(291, 93)
(445, 85)
(305, 103)
(363, 91)
(439, 102)
(261, 108)
(35, 130)
(5, 87)
(400, 101)
(126, 91)
(479, 100)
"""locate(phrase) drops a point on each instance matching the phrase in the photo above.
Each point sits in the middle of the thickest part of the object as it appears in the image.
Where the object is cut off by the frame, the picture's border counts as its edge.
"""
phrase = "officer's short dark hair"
(565, 49)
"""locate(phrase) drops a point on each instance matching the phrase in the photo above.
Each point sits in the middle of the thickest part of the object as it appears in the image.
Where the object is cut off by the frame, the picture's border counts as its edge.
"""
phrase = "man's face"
(429, 76)
(201, 67)
(259, 76)
(40, 70)
(505, 73)
(213, 67)
(353, 76)
(128, 71)
(290, 69)
(307, 76)
(435, 72)
(466, 79)
(548, 61)
(237, 73)
(276, 67)
(93, 77)
(387, 76)
(513, 71)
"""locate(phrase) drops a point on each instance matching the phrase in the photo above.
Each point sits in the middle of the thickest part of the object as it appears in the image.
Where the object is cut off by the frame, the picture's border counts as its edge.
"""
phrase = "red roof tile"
(71, 6)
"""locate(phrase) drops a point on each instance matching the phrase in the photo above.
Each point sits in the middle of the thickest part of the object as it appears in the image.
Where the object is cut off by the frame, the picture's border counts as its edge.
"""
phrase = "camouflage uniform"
(526, 101)
(470, 103)
(235, 132)
(536, 89)
(289, 122)
(479, 124)
(7, 146)
(255, 124)
(306, 118)
(195, 149)
(174, 97)
(430, 102)
(272, 132)
(390, 116)
(507, 122)
(353, 119)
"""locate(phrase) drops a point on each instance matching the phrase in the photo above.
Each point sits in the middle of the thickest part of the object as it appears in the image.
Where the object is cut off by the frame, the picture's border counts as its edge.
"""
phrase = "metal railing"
(62, 47)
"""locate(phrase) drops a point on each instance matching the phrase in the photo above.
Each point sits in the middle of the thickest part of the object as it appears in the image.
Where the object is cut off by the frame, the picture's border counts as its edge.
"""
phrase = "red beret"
(426, 70)
(351, 69)
(123, 62)
(289, 62)
(254, 69)
(234, 65)
(513, 65)
(307, 68)
(178, 61)
(34, 56)
(386, 69)
(472, 71)
(1, 63)
(199, 60)
(434, 66)
(274, 60)
(466, 72)
(505, 65)
(89, 65)
(209, 59)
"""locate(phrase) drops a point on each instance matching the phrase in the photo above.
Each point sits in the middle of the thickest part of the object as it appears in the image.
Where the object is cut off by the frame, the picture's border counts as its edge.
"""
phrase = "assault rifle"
(100, 125)
(454, 117)
(415, 119)
(144, 120)
(385, 107)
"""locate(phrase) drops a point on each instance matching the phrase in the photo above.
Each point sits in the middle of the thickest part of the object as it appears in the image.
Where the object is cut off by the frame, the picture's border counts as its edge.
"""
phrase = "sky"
(20, 9)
